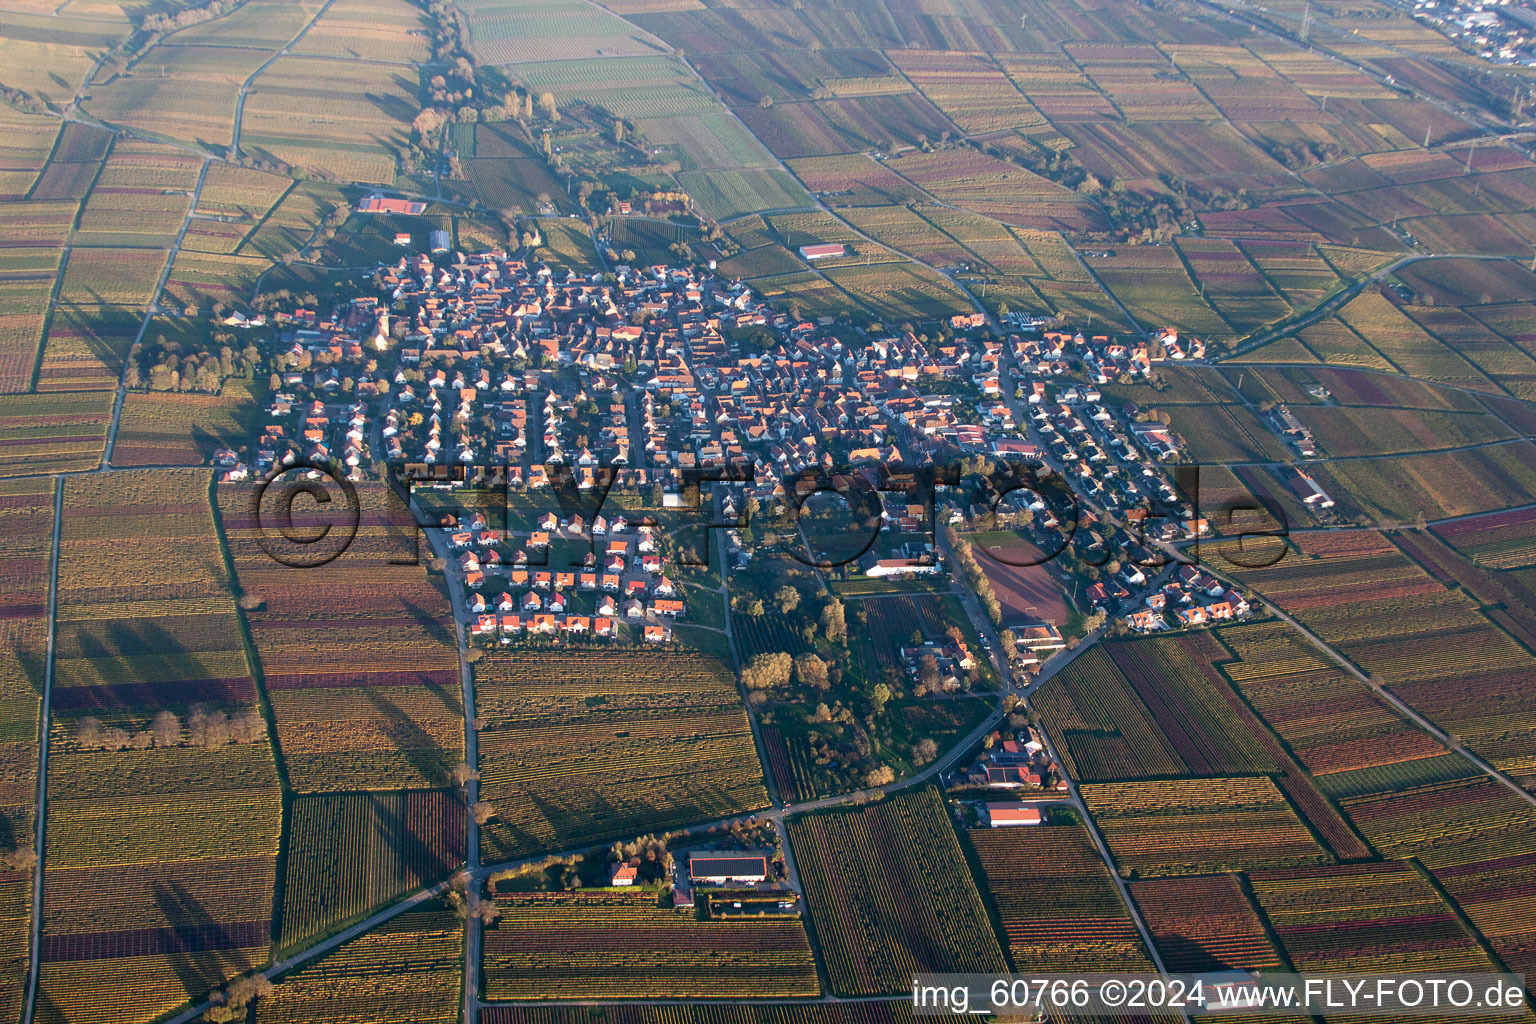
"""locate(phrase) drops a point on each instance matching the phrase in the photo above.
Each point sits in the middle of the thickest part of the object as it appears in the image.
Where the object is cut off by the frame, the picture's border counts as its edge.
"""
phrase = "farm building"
(382, 204)
(440, 241)
(898, 566)
(725, 868)
(1001, 815)
(822, 251)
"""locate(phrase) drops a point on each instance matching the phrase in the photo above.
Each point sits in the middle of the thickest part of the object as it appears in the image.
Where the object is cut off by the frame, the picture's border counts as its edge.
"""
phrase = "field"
(1204, 923)
(1374, 918)
(1431, 645)
(1058, 904)
(1437, 485)
(1501, 540)
(148, 898)
(618, 943)
(358, 657)
(53, 433)
(890, 894)
(1196, 826)
(26, 532)
(882, 1012)
(320, 115)
(1027, 593)
(580, 745)
(86, 346)
(410, 968)
(349, 853)
(159, 428)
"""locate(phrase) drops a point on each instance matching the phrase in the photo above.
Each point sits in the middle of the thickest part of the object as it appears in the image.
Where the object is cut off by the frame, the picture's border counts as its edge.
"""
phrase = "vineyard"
(164, 429)
(1106, 731)
(410, 968)
(1447, 823)
(1215, 733)
(53, 433)
(147, 625)
(622, 944)
(1330, 719)
(1503, 540)
(892, 1012)
(349, 853)
(360, 660)
(1432, 645)
(582, 745)
(1058, 904)
(26, 534)
(1196, 826)
(1205, 923)
(1365, 918)
(890, 895)
(1496, 897)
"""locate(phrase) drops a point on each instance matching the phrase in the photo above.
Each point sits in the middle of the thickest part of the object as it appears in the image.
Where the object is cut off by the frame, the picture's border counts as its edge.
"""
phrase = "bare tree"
(88, 733)
(166, 729)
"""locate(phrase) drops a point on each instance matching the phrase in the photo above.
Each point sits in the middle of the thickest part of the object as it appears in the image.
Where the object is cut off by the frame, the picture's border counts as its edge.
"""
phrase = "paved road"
(1330, 305)
(473, 931)
(246, 85)
(165, 274)
(45, 720)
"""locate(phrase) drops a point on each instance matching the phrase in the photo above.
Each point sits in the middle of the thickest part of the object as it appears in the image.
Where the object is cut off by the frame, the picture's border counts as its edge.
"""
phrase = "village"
(631, 380)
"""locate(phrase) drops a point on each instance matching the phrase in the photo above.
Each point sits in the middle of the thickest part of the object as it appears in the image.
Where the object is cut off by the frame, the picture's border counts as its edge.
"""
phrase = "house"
(626, 874)
(725, 868)
(1008, 776)
(658, 634)
(1000, 815)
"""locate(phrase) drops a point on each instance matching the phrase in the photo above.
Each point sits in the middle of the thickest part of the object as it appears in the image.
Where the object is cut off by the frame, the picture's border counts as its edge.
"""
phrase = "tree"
(812, 671)
(166, 729)
(547, 105)
(833, 624)
(928, 671)
(879, 696)
(881, 776)
(767, 671)
(787, 598)
(482, 811)
(463, 775)
(925, 751)
(88, 733)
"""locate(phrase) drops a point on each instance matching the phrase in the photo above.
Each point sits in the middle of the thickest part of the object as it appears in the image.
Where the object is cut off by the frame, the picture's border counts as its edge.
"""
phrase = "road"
(245, 86)
(473, 931)
(45, 721)
(149, 314)
(1387, 695)
(1338, 299)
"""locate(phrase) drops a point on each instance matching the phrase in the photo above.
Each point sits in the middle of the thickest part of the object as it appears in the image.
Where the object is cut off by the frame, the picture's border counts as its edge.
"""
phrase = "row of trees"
(205, 727)
(973, 575)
